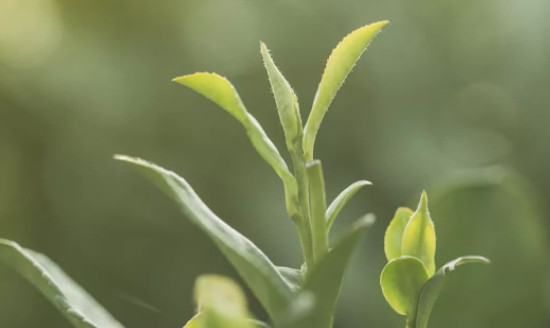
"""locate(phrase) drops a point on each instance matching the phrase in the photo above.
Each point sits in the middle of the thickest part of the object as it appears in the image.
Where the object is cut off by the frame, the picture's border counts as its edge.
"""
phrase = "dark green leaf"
(432, 288)
(68, 297)
(325, 280)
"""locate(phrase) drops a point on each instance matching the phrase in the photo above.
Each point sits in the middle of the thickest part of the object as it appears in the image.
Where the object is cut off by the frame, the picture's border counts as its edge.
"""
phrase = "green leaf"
(253, 265)
(286, 100)
(318, 207)
(325, 279)
(70, 299)
(394, 233)
(340, 63)
(419, 236)
(293, 277)
(401, 281)
(342, 199)
(220, 91)
(222, 303)
(431, 290)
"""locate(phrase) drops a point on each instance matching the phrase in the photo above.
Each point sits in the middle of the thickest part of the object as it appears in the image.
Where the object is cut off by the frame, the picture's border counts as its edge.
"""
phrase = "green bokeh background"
(452, 97)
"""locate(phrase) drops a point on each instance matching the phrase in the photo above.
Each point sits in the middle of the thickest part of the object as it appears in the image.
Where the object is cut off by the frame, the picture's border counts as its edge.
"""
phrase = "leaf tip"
(423, 205)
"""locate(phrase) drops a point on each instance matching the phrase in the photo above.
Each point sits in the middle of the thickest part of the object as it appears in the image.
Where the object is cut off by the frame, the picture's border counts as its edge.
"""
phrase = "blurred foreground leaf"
(70, 299)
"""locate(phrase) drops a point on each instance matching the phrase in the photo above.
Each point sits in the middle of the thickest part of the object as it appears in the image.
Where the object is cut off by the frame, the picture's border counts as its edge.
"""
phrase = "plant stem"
(318, 208)
(303, 222)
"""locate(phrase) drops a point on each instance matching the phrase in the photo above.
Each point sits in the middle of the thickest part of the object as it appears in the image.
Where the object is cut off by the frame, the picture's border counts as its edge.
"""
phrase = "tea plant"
(304, 297)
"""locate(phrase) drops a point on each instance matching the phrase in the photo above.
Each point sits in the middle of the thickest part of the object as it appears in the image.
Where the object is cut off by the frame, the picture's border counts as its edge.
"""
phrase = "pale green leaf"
(219, 90)
(325, 279)
(419, 238)
(222, 303)
(74, 303)
(286, 100)
(318, 207)
(394, 233)
(401, 281)
(339, 64)
(431, 290)
(342, 199)
(253, 265)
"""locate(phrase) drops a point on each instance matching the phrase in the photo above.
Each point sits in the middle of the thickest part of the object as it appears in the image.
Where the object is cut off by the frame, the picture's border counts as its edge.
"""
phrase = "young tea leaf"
(401, 281)
(220, 91)
(221, 303)
(394, 233)
(340, 63)
(419, 236)
(253, 265)
(431, 290)
(342, 199)
(286, 100)
(74, 303)
(325, 280)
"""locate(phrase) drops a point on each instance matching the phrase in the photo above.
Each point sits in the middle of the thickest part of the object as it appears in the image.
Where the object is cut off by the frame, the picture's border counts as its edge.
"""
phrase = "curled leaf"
(286, 100)
(419, 236)
(342, 199)
(394, 233)
(401, 281)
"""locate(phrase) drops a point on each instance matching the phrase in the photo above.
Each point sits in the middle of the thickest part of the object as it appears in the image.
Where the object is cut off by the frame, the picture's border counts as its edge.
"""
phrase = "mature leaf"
(325, 279)
(419, 236)
(431, 290)
(340, 63)
(69, 298)
(318, 207)
(402, 280)
(253, 265)
(394, 233)
(342, 199)
(219, 90)
(286, 100)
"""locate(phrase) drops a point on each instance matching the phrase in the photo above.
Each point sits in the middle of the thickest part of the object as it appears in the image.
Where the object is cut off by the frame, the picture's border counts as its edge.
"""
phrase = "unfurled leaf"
(325, 279)
(318, 207)
(70, 299)
(340, 63)
(432, 288)
(286, 100)
(394, 233)
(253, 265)
(219, 90)
(342, 199)
(401, 281)
(419, 236)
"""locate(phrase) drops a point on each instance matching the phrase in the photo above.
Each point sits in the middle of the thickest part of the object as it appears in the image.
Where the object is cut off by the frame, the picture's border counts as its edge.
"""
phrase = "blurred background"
(452, 97)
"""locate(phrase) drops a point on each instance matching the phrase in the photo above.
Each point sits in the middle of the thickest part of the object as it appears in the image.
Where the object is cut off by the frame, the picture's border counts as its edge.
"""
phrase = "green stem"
(318, 208)
(303, 222)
